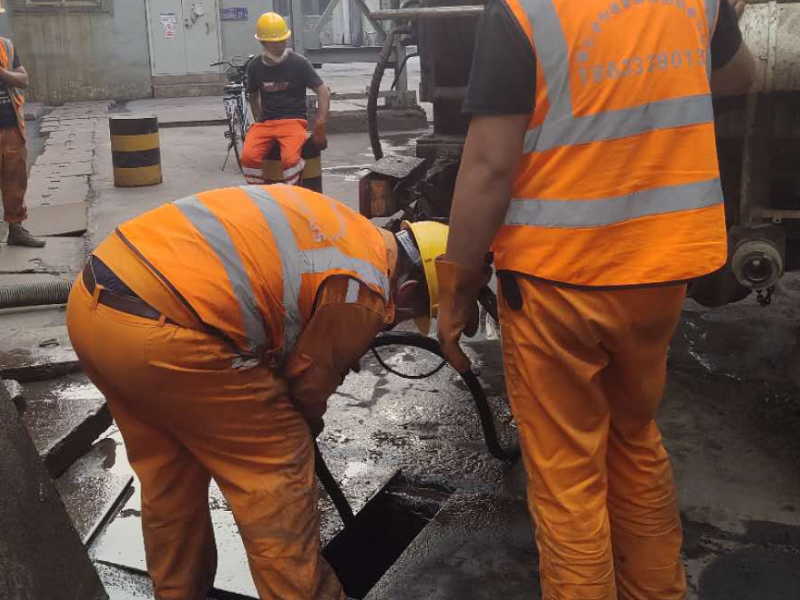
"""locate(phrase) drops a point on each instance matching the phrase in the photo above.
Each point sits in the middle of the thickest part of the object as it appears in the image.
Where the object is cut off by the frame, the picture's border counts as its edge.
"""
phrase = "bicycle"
(237, 107)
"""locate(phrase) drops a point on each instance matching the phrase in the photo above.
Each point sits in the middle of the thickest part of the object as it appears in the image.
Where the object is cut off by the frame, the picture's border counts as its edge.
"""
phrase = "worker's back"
(249, 260)
(619, 183)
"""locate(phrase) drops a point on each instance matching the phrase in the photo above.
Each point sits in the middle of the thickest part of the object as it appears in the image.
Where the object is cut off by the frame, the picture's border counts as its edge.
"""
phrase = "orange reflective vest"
(249, 260)
(619, 180)
(17, 97)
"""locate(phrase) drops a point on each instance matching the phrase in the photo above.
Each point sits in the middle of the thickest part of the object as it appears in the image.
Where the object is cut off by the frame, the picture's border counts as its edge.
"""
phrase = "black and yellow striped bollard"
(311, 178)
(135, 149)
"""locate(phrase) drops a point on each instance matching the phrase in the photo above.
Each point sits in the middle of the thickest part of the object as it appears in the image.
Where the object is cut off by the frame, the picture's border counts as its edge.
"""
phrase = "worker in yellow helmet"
(217, 326)
(277, 81)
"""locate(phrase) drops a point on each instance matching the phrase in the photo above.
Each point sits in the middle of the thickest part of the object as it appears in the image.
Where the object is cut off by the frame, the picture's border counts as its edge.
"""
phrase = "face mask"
(276, 58)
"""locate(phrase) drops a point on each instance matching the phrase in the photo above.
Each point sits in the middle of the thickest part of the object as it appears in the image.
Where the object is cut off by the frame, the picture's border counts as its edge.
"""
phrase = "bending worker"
(217, 326)
(594, 178)
(276, 87)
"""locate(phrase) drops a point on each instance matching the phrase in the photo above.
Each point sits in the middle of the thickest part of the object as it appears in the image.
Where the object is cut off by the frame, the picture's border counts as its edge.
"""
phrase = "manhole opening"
(382, 530)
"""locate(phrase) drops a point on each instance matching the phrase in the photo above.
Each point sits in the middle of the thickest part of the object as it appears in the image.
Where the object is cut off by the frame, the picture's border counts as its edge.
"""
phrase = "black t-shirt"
(8, 117)
(282, 86)
(504, 60)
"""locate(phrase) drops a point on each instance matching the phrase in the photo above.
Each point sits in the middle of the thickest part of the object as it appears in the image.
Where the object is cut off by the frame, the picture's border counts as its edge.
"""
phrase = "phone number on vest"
(642, 65)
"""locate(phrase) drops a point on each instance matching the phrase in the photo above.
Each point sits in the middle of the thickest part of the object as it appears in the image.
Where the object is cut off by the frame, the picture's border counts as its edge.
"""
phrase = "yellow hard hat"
(271, 27)
(431, 240)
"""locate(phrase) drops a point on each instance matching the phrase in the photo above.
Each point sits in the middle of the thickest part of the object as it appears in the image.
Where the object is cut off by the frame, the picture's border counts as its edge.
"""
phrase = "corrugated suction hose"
(35, 294)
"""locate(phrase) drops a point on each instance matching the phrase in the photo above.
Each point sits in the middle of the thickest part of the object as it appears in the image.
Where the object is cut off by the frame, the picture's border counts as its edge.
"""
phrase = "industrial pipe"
(35, 294)
(437, 12)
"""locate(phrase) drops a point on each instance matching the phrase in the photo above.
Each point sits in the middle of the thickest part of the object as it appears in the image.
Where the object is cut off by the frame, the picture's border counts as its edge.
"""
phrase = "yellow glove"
(458, 307)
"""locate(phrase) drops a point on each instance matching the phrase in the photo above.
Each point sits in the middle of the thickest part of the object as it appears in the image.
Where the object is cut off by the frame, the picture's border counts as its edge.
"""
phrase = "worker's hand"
(320, 136)
(738, 6)
(316, 426)
(458, 307)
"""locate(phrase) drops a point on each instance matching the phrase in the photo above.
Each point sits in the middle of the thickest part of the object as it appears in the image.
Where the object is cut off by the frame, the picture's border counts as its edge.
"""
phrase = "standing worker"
(276, 85)
(217, 326)
(594, 178)
(13, 154)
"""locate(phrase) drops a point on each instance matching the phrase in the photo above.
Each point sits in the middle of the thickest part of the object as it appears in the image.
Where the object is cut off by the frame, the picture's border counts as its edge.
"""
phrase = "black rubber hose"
(35, 294)
(332, 487)
(403, 338)
(375, 89)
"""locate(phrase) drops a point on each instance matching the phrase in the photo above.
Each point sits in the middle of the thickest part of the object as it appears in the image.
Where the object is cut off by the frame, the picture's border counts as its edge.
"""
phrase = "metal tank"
(759, 149)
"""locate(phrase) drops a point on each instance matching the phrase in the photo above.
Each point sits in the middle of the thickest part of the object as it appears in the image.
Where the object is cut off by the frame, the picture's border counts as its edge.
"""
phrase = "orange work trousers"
(289, 134)
(187, 415)
(13, 174)
(585, 372)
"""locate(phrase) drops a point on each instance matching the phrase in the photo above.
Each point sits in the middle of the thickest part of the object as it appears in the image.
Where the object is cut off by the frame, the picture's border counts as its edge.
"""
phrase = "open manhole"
(382, 530)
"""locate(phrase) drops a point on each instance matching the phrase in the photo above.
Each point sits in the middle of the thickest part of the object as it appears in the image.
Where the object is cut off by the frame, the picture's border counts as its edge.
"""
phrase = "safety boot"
(19, 236)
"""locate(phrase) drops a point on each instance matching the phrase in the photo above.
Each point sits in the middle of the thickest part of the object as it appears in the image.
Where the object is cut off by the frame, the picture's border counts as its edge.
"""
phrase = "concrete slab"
(44, 190)
(94, 484)
(29, 317)
(64, 416)
(41, 554)
(60, 255)
(35, 354)
(60, 155)
(14, 391)
(58, 219)
(478, 547)
(125, 585)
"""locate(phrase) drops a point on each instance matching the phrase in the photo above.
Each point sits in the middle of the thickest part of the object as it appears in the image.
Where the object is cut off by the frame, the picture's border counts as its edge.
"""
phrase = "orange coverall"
(585, 372)
(289, 134)
(188, 414)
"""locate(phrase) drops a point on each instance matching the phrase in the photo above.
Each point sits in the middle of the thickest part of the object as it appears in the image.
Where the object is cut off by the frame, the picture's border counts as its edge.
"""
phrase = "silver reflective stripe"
(562, 128)
(353, 287)
(552, 50)
(217, 237)
(325, 259)
(290, 257)
(616, 124)
(296, 262)
(712, 8)
(608, 211)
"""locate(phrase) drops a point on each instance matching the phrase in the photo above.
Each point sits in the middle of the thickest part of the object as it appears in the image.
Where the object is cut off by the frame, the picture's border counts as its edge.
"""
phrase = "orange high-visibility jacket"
(249, 260)
(619, 180)
(16, 95)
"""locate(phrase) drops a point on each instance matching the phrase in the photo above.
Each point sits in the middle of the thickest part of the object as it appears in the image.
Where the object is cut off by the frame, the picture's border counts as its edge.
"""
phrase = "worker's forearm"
(324, 100)
(17, 79)
(479, 207)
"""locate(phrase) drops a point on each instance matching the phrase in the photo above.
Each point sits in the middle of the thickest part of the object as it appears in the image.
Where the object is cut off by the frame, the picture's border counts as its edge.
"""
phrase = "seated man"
(276, 86)
(217, 326)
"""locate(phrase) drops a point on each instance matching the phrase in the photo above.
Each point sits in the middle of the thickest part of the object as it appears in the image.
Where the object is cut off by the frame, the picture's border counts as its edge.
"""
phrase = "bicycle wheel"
(234, 134)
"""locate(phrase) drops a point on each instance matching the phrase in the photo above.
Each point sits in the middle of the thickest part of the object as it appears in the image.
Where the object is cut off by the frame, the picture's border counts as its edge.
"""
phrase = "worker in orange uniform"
(594, 179)
(217, 326)
(276, 86)
(13, 153)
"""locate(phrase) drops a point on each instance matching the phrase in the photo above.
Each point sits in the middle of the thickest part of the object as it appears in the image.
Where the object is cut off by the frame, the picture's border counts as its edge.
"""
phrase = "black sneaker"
(19, 236)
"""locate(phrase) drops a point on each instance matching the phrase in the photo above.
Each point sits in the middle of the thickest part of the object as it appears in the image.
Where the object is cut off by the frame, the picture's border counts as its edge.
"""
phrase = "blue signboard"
(236, 13)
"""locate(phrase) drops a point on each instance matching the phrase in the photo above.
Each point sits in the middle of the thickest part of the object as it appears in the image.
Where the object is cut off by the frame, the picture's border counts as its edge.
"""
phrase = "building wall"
(237, 36)
(74, 56)
(5, 29)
